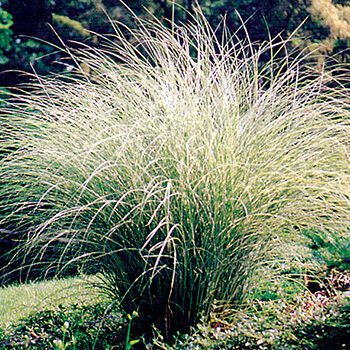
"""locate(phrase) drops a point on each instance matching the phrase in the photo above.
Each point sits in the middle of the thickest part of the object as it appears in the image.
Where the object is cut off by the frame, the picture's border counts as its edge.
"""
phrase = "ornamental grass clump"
(173, 166)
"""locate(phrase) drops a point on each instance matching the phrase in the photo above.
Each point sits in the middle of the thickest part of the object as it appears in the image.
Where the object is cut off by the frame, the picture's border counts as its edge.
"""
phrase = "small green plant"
(130, 343)
(176, 168)
(64, 344)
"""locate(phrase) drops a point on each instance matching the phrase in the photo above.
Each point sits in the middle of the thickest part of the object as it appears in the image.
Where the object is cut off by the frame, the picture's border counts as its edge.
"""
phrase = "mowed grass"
(17, 302)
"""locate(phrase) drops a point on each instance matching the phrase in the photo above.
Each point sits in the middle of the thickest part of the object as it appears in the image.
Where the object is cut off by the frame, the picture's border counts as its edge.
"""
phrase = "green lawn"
(19, 301)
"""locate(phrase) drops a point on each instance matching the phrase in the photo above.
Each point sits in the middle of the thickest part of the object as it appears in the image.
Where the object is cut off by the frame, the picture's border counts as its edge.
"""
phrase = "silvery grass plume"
(175, 167)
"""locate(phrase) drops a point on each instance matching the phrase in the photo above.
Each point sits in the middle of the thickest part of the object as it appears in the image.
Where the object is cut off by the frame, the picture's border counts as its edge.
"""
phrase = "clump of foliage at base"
(298, 323)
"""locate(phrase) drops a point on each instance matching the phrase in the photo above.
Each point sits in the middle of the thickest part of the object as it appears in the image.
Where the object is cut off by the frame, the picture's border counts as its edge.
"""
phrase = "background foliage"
(326, 26)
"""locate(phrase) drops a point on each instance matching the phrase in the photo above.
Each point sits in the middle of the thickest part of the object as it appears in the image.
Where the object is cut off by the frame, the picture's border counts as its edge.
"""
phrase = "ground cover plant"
(59, 314)
(300, 321)
(177, 166)
(79, 326)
